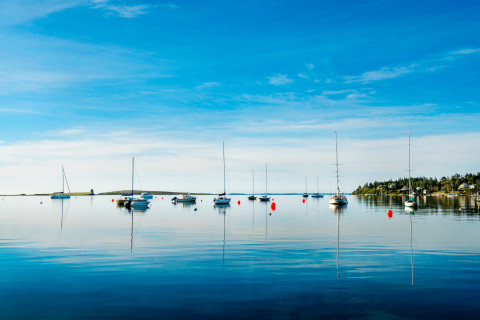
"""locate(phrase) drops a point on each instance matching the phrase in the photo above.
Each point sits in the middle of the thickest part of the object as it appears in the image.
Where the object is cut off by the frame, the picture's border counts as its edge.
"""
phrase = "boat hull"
(60, 196)
(264, 199)
(411, 204)
(316, 195)
(338, 202)
(222, 201)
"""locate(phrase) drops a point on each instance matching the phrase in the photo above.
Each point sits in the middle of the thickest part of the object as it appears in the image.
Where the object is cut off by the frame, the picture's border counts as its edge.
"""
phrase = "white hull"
(411, 204)
(338, 201)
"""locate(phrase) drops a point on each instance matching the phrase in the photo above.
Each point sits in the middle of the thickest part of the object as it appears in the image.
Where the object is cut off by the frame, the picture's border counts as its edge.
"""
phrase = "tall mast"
(133, 171)
(253, 181)
(306, 184)
(336, 161)
(318, 189)
(63, 180)
(223, 147)
(266, 179)
(409, 181)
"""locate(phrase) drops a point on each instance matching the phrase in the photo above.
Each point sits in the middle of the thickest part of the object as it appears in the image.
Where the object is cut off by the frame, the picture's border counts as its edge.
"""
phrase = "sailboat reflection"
(411, 212)
(61, 219)
(338, 210)
(222, 209)
(140, 211)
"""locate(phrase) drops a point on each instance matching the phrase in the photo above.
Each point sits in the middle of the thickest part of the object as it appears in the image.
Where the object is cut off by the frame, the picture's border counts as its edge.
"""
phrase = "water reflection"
(411, 213)
(338, 210)
(222, 209)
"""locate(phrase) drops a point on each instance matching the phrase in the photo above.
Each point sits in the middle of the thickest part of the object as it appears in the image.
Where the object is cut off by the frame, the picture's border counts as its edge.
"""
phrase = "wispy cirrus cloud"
(207, 85)
(123, 11)
(21, 11)
(382, 74)
(279, 80)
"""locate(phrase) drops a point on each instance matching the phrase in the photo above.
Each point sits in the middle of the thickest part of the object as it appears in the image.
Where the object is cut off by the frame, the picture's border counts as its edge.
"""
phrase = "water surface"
(86, 258)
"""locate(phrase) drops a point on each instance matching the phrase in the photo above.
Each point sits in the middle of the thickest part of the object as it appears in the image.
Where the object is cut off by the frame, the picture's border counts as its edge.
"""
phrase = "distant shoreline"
(161, 193)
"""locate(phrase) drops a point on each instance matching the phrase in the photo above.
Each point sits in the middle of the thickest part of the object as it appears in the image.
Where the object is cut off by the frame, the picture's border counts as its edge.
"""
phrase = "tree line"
(458, 184)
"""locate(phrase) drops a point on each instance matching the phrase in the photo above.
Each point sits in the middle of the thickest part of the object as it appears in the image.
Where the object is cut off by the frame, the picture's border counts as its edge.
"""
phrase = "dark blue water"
(86, 258)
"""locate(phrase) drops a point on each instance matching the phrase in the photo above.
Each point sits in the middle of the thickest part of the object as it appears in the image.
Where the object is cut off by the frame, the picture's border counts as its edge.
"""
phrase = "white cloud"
(303, 75)
(207, 85)
(310, 66)
(21, 11)
(465, 51)
(382, 74)
(279, 80)
(123, 11)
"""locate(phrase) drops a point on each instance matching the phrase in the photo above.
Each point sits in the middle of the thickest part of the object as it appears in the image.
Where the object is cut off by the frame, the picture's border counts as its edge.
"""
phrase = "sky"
(89, 84)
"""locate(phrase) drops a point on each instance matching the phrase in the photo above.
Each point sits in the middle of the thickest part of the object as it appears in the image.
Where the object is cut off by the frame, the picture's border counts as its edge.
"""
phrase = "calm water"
(86, 258)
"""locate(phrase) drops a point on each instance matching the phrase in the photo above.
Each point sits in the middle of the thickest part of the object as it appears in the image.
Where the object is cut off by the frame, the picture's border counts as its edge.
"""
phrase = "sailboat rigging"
(317, 194)
(305, 194)
(252, 196)
(222, 197)
(62, 195)
(411, 197)
(338, 198)
(265, 197)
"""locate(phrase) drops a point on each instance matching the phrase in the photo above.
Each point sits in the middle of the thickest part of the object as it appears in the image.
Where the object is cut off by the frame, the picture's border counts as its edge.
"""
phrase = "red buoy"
(112, 200)
(273, 206)
(389, 214)
(238, 202)
(303, 200)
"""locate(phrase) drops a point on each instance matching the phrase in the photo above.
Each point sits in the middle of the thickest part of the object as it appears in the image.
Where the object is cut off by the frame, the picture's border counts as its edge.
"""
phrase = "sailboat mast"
(133, 172)
(253, 182)
(318, 189)
(223, 147)
(266, 179)
(409, 179)
(336, 160)
(306, 184)
(63, 180)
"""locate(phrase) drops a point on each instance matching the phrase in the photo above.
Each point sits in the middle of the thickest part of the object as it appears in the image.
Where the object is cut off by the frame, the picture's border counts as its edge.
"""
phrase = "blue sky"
(91, 83)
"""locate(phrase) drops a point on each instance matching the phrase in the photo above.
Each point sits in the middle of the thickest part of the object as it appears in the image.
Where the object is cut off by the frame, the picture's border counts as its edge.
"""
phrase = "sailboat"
(411, 203)
(139, 203)
(62, 195)
(338, 198)
(252, 196)
(317, 194)
(265, 197)
(305, 194)
(222, 197)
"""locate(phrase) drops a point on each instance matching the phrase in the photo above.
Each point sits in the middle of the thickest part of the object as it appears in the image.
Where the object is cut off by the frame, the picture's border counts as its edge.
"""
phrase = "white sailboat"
(62, 195)
(411, 203)
(265, 197)
(136, 203)
(317, 194)
(252, 196)
(338, 198)
(222, 197)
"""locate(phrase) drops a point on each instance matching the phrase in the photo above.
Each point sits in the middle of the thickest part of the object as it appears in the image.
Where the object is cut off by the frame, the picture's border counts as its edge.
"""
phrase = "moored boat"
(187, 198)
(222, 197)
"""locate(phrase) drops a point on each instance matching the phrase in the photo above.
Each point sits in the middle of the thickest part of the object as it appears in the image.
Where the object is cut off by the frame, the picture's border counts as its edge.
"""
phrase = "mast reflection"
(338, 210)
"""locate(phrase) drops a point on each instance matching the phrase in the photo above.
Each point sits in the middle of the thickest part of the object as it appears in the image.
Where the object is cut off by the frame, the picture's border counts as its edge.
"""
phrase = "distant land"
(456, 184)
(120, 192)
